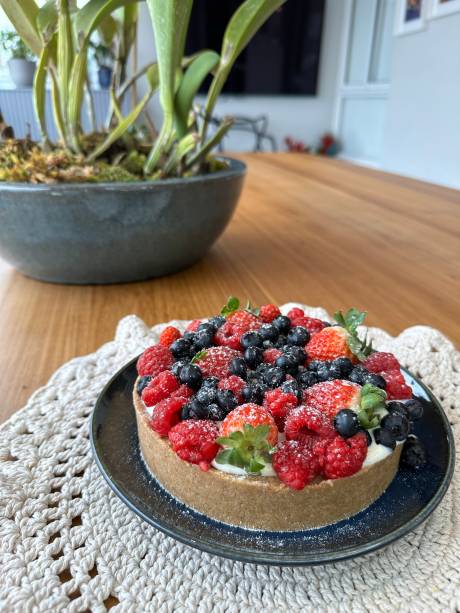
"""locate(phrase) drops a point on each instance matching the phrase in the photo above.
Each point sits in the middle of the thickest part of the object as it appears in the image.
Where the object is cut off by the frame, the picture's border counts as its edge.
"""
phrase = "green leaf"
(23, 16)
(199, 356)
(255, 466)
(261, 432)
(92, 14)
(371, 401)
(368, 388)
(233, 304)
(250, 309)
(202, 64)
(245, 22)
(39, 92)
(47, 20)
(223, 456)
(215, 139)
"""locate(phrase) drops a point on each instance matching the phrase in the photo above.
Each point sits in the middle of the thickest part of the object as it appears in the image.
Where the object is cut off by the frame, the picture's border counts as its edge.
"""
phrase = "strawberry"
(252, 415)
(332, 396)
(215, 361)
(169, 335)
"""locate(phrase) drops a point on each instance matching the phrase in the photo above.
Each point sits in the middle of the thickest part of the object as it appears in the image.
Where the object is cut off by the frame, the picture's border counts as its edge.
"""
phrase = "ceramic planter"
(115, 232)
(22, 72)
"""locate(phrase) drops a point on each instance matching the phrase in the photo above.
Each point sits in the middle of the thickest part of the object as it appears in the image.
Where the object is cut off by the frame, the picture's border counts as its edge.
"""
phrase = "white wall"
(302, 117)
(422, 135)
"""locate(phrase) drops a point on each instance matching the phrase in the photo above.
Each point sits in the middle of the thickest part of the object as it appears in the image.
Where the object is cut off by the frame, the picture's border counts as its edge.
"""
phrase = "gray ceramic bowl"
(115, 232)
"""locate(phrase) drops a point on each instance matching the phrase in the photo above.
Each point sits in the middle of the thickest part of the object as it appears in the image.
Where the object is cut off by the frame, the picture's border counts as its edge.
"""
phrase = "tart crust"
(263, 503)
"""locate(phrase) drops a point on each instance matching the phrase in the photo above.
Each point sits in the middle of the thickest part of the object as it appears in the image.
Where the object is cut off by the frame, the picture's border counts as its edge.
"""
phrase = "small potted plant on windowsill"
(21, 63)
(110, 206)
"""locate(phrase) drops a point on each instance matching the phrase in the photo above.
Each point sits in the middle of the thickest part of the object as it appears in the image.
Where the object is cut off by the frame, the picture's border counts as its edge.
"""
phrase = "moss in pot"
(119, 205)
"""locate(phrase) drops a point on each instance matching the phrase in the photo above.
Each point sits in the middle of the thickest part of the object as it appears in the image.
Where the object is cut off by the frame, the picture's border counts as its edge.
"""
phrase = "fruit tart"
(271, 420)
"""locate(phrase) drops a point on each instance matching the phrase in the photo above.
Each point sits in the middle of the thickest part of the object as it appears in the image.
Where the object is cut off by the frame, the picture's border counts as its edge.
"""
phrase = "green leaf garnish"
(350, 321)
(250, 309)
(248, 449)
(371, 400)
(233, 304)
(198, 356)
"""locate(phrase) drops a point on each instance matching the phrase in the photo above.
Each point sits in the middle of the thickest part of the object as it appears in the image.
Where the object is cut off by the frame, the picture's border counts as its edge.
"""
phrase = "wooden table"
(307, 229)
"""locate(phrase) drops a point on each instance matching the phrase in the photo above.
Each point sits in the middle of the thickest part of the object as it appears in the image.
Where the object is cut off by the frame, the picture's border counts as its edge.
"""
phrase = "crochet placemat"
(68, 544)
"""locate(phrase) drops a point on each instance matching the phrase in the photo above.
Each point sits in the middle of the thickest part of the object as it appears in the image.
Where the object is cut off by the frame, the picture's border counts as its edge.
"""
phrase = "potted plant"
(21, 63)
(111, 206)
(104, 57)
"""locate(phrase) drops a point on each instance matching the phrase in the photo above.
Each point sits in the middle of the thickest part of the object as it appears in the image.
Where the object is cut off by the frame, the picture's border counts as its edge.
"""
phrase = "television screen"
(282, 58)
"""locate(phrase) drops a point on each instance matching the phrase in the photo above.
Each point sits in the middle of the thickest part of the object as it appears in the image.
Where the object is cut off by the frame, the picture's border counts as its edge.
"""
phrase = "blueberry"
(181, 348)
(210, 382)
(197, 410)
(298, 353)
(239, 367)
(253, 356)
(206, 327)
(226, 400)
(191, 376)
(346, 423)
(323, 372)
(292, 387)
(344, 365)
(268, 332)
(358, 374)
(397, 407)
(189, 336)
(314, 365)
(307, 378)
(368, 436)
(287, 362)
(251, 339)
(203, 340)
(177, 367)
(334, 371)
(142, 384)
(384, 437)
(397, 424)
(413, 453)
(206, 394)
(414, 409)
(253, 393)
(185, 411)
(280, 341)
(298, 336)
(375, 380)
(217, 321)
(282, 324)
(274, 376)
(216, 413)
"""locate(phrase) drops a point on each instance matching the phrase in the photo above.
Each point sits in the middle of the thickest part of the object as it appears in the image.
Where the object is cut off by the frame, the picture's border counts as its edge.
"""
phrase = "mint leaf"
(199, 356)
(233, 304)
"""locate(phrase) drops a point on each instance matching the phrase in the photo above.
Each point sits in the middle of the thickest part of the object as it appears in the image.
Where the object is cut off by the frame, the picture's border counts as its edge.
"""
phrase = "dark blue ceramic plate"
(409, 500)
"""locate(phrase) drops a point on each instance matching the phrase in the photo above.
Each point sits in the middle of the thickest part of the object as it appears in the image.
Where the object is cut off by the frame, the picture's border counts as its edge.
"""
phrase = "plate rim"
(234, 553)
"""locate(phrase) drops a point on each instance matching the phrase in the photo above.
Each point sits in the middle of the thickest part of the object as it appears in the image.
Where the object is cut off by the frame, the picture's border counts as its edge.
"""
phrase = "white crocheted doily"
(68, 544)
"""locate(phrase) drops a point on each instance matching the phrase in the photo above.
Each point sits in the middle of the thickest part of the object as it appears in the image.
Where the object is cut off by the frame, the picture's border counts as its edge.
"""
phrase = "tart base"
(261, 503)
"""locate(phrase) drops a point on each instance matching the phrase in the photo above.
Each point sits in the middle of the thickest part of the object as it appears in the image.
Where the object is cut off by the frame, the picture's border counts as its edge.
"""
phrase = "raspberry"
(270, 355)
(233, 383)
(195, 441)
(268, 312)
(397, 388)
(160, 387)
(310, 323)
(295, 464)
(329, 344)
(379, 361)
(154, 360)
(166, 414)
(184, 391)
(295, 313)
(169, 335)
(332, 396)
(216, 362)
(308, 425)
(193, 325)
(344, 457)
(278, 404)
(228, 336)
(252, 414)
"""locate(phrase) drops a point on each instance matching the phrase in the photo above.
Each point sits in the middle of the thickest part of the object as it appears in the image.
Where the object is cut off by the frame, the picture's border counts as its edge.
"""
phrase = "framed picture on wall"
(410, 16)
(441, 8)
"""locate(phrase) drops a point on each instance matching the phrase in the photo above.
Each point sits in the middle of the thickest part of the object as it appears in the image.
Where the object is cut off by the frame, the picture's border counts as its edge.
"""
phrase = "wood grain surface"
(307, 229)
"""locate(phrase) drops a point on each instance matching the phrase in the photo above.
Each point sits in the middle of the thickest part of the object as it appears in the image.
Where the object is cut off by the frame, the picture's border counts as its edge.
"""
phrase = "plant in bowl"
(104, 57)
(112, 206)
(21, 63)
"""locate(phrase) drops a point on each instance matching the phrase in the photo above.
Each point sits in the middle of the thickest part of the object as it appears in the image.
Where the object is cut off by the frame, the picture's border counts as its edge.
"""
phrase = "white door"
(364, 79)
